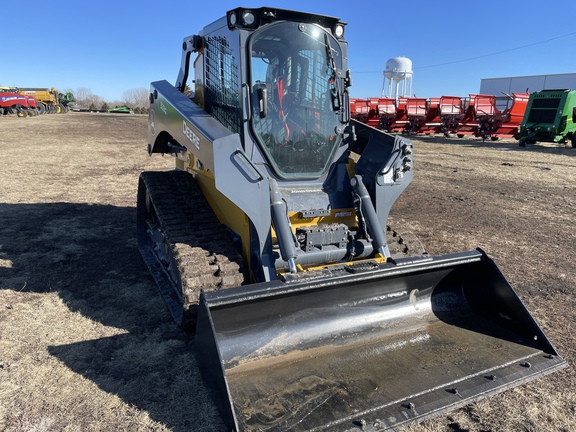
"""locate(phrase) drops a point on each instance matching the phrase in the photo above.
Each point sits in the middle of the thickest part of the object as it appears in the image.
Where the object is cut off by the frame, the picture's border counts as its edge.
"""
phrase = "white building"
(532, 83)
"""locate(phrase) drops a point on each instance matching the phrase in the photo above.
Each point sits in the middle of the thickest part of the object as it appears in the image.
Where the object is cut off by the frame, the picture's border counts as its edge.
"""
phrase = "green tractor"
(550, 117)
(65, 100)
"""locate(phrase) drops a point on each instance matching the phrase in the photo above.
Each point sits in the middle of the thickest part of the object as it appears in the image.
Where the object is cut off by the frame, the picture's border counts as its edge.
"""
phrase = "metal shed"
(496, 86)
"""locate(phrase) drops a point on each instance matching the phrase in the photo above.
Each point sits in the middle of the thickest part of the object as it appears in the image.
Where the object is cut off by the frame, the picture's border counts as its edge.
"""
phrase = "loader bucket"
(370, 349)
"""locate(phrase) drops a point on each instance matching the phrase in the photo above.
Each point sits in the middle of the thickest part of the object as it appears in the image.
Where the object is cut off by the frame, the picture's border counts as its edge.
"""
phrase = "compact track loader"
(270, 238)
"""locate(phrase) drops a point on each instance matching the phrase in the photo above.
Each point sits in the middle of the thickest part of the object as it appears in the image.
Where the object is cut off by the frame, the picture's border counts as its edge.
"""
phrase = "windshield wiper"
(335, 92)
(339, 91)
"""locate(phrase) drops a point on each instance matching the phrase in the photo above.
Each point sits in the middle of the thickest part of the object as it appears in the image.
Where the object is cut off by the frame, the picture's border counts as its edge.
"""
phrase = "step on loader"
(270, 239)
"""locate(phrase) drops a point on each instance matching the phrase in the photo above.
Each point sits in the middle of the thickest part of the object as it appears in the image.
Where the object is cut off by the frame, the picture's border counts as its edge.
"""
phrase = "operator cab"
(296, 113)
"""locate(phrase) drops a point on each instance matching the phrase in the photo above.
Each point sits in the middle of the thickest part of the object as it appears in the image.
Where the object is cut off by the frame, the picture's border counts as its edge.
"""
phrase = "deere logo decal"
(187, 130)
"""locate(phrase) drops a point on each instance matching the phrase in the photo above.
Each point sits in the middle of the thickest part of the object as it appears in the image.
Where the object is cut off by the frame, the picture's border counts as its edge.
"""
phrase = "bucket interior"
(380, 348)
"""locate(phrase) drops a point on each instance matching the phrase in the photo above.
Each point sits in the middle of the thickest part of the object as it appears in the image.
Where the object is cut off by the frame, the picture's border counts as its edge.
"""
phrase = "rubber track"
(203, 251)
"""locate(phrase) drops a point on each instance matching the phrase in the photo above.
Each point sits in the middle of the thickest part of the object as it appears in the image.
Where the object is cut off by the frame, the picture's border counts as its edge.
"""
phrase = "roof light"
(248, 18)
(232, 19)
(339, 31)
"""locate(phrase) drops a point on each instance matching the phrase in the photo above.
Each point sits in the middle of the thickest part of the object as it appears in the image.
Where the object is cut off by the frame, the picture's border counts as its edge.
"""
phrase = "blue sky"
(112, 46)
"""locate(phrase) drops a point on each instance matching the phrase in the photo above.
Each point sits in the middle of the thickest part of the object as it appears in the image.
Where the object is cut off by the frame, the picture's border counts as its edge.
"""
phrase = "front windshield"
(294, 113)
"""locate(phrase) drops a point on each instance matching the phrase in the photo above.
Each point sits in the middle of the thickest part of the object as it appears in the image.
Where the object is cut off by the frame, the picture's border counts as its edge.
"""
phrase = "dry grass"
(85, 341)
(87, 345)
(518, 205)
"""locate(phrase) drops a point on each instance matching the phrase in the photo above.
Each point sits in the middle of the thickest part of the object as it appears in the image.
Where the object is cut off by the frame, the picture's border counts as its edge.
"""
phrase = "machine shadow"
(88, 255)
(156, 372)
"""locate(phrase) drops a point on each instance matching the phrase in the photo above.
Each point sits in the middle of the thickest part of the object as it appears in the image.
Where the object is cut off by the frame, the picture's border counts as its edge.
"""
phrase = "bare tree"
(81, 95)
(84, 98)
(116, 103)
(94, 100)
(136, 98)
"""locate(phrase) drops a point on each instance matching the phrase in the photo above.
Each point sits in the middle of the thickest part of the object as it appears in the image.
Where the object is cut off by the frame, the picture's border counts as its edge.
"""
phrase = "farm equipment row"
(545, 116)
(29, 102)
(480, 115)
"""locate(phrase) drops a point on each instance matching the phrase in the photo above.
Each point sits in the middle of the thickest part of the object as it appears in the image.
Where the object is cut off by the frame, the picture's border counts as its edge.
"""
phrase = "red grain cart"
(487, 115)
(381, 113)
(360, 110)
(387, 113)
(469, 123)
(422, 115)
(416, 113)
(497, 123)
(451, 111)
(512, 116)
(433, 121)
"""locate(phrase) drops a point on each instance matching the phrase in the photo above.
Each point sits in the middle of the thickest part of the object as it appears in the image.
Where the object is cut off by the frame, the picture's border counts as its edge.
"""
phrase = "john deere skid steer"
(270, 239)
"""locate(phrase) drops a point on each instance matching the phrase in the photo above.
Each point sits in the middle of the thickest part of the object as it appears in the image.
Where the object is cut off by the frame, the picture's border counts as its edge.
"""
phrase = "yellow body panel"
(345, 216)
(226, 211)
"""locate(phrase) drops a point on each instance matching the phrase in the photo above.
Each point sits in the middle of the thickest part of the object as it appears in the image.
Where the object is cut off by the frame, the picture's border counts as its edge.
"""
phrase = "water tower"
(397, 78)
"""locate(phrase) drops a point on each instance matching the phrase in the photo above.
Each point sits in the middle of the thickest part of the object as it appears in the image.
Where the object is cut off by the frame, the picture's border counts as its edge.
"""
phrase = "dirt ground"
(86, 343)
